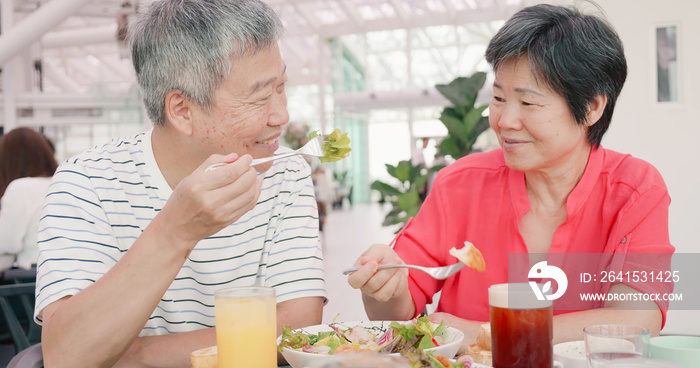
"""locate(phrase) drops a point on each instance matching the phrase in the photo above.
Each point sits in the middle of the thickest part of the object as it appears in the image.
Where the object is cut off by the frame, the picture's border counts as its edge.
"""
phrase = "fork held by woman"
(439, 273)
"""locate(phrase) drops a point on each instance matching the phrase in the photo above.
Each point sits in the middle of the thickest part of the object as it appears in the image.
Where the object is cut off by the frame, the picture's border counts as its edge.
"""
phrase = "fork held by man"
(314, 147)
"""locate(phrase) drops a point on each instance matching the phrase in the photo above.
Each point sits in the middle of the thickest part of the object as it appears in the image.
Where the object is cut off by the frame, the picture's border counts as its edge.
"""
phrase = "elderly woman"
(138, 236)
(550, 189)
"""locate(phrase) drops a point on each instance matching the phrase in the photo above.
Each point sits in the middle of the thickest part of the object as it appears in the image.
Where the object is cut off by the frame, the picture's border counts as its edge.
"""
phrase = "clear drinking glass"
(246, 327)
(521, 327)
(615, 341)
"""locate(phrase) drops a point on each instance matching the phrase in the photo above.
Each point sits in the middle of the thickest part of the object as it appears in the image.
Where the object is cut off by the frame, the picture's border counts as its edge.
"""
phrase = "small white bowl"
(684, 350)
(300, 359)
(571, 354)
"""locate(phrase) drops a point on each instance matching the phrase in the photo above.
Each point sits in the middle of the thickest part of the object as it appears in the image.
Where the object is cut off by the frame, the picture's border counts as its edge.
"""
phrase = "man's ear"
(596, 109)
(178, 110)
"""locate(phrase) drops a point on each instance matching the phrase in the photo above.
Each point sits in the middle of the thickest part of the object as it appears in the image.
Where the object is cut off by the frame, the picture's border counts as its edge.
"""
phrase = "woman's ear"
(178, 111)
(596, 109)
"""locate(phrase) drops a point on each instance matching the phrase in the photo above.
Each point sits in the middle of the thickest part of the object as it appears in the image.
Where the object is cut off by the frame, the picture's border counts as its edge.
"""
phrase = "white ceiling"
(81, 54)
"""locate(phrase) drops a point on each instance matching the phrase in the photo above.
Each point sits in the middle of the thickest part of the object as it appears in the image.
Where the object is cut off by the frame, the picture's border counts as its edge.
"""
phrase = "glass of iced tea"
(608, 342)
(521, 327)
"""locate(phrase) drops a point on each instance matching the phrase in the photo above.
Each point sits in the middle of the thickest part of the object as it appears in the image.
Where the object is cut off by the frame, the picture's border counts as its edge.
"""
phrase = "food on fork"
(470, 256)
(335, 147)
(204, 358)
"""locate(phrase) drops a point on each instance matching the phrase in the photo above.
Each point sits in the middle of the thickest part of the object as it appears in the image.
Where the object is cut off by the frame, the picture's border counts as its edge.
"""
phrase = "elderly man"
(137, 235)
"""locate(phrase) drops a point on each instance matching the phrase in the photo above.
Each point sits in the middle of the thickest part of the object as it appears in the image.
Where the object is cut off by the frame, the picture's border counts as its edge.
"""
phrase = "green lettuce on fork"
(336, 147)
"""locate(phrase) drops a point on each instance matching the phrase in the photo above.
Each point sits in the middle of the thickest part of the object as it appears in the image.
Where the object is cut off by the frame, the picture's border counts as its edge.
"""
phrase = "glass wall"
(402, 60)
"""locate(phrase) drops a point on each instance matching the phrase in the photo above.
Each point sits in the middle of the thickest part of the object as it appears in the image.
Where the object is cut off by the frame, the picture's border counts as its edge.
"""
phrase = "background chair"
(17, 307)
(31, 357)
(18, 275)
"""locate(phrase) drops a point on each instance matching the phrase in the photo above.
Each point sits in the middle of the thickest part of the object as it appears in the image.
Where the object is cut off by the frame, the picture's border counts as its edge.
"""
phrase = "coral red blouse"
(619, 207)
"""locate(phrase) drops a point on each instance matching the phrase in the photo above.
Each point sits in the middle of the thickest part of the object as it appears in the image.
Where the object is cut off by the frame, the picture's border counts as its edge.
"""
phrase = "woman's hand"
(384, 292)
(469, 328)
(381, 285)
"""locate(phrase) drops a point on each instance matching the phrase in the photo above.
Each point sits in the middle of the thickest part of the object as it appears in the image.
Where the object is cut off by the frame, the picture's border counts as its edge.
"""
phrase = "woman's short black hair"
(579, 56)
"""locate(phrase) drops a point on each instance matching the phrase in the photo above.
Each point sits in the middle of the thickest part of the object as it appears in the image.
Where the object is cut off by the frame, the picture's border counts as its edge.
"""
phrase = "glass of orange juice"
(246, 327)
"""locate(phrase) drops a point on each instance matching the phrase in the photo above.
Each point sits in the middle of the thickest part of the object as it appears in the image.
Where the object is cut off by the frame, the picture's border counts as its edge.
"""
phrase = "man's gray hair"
(189, 46)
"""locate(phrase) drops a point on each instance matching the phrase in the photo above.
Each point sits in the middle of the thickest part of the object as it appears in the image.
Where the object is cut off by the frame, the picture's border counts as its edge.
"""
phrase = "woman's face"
(534, 124)
(249, 109)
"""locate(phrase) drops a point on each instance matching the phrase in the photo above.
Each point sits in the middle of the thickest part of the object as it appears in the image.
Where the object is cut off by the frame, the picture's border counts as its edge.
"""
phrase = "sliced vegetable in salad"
(421, 333)
(336, 147)
(425, 359)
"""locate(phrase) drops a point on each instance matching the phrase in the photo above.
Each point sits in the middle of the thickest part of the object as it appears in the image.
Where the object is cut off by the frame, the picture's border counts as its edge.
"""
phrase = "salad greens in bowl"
(311, 345)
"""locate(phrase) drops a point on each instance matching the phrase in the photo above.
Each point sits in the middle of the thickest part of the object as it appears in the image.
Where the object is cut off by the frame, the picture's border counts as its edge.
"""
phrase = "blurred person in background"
(138, 235)
(27, 164)
(418, 152)
(324, 193)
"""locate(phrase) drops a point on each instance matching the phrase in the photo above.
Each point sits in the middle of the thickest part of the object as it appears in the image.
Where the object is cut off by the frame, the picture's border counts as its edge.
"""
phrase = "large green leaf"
(416, 172)
(462, 91)
(403, 171)
(412, 212)
(480, 127)
(452, 92)
(449, 146)
(450, 111)
(407, 201)
(471, 119)
(392, 217)
(391, 169)
(419, 181)
(385, 188)
(477, 81)
(454, 125)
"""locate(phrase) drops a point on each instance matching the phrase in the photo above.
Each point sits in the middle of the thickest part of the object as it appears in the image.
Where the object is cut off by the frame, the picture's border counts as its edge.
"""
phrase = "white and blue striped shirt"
(101, 200)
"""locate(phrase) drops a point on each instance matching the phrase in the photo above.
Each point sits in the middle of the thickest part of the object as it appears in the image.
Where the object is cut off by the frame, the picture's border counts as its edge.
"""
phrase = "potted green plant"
(464, 123)
(405, 197)
(463, 120)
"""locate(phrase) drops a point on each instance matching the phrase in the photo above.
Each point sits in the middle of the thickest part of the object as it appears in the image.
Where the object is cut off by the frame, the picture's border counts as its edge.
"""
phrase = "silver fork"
(313, 147)
(439, 273)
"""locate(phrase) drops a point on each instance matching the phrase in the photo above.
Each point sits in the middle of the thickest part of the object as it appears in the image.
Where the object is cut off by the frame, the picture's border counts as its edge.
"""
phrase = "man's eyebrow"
(520, 90)
(261, 84)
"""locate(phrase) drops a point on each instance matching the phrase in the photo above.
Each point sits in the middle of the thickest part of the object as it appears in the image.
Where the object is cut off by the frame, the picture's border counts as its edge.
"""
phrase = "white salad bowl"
(299, 359)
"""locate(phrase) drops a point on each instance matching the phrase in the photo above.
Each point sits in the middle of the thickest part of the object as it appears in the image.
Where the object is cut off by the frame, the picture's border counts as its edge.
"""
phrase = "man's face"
(249, 109)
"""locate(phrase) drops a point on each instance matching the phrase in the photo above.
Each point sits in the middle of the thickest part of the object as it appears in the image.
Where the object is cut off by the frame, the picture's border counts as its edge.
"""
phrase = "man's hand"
(205, 202)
